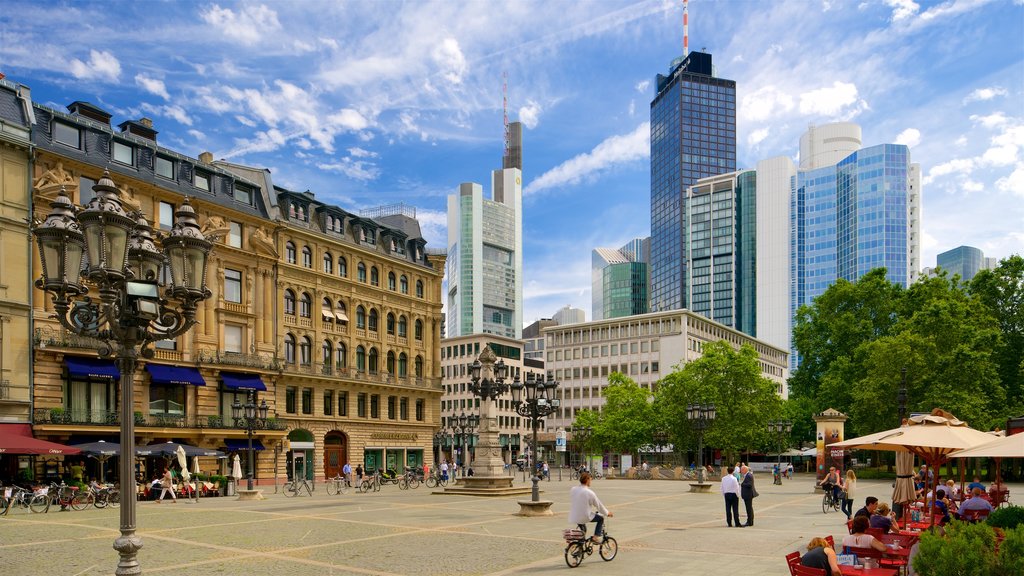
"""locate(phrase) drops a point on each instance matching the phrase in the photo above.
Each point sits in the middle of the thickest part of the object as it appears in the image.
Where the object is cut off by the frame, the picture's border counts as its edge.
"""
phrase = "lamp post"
(701, 416)
(581, 434)
(439, 437)
(535, 399)
(781, 429)
(250, 417)
(901, 399)
(107, 251)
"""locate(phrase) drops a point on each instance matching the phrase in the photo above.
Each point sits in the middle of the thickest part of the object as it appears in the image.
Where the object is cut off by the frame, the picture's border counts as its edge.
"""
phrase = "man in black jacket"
(748, 493)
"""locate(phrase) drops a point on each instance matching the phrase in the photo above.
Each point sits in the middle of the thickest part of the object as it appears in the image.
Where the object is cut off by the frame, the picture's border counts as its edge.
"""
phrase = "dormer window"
(243, 194)
(123, 153)
(67, 135)
(362, 234)
(202, 181)
(291, 211)
(164, 167)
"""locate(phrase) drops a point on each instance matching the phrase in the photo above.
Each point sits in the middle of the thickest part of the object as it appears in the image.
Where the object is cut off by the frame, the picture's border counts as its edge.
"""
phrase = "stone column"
(489, 467)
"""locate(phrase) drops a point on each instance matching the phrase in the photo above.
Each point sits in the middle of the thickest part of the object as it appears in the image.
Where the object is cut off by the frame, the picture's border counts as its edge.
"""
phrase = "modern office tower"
(569, 315)
(775, 177)
(826, 145)
(720, 248)
(620, 280)
(693, 135)
(966, 261)
(485, 256)
(533, 340)
(646, 348)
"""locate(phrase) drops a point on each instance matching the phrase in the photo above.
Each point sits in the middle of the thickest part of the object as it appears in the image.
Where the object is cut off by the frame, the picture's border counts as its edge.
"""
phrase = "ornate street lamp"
(250, 417)
(535, 399)
(106, 249)
(488, 375)
(580, 435)
(700, 416)
(781, 429)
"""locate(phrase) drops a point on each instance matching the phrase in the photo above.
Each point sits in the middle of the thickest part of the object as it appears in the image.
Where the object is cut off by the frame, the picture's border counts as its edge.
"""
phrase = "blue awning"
(232, 444)
(84, 367)
(242, 381)
(163, 374)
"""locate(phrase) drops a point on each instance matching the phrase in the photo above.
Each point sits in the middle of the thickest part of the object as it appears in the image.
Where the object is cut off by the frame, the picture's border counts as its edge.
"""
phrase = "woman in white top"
(584, 506)
(849, 486)
(857, 538)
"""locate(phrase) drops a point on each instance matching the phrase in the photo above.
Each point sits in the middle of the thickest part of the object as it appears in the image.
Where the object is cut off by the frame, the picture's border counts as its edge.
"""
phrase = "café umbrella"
(1011, 446)
(183, 464)
(101, 451)
(17, 444)
(236, 470)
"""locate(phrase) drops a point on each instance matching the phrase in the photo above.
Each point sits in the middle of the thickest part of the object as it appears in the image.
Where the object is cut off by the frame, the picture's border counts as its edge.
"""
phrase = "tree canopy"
(625, 422)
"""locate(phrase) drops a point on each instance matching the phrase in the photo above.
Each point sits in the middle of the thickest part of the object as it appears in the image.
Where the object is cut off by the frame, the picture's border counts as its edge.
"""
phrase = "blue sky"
(373, 102)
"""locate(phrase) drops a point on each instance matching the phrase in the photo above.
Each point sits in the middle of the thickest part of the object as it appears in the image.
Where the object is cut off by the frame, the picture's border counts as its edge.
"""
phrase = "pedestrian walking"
(444, 470)
(546, 472)
(167, 485)
(849, 487)
(346, 471)
(748, 493)
(731, 492)
(359, 473)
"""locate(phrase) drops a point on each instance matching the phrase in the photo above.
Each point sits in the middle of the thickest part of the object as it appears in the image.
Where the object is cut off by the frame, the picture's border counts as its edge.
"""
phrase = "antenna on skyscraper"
(504, 110)
(686, 28)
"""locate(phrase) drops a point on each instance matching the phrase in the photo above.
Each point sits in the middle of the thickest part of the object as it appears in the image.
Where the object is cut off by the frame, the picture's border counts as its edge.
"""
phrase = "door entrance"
(335, 454)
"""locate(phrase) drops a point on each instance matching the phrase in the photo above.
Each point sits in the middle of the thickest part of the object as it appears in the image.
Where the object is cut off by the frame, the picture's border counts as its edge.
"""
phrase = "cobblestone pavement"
(660, 526)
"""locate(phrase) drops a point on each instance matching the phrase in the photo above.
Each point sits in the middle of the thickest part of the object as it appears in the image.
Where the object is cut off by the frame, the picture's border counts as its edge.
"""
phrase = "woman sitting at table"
(883, 519)
(857, 537)
(820, 555)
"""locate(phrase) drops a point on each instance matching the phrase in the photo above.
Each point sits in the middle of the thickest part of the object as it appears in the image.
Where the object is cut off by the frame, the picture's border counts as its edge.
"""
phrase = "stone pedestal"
(250, 495)
(531, 508)
(700, 486)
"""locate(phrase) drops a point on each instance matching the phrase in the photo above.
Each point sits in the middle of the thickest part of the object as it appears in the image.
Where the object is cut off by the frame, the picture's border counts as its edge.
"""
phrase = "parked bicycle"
(70, 496)
(435, 480)
(296, 487)
(337, 485)
(107, 496)
(409, 480)
(578, 546)
(370, 483)
(18, 497)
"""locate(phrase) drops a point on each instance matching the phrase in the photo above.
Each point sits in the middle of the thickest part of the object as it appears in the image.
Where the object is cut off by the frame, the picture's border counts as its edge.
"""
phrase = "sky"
(376, 102)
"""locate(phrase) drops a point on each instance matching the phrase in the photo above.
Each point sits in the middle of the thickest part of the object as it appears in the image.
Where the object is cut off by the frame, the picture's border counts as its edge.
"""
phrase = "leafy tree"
(1002, 292)
(626, 421)
(745, 401)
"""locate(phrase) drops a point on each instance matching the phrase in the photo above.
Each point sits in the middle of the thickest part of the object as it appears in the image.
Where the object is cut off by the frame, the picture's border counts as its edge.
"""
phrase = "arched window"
(360, 318)
(419, 289)
(289, 252)
(361, 359)
(391, 324)
(342, 267)
(289, 349)
(330, 222)
(305, 306)
(341, 356)
(306, 351)
(374, 276)
(373, 319)
(391, 362)
(403, 284)
(419, 366)
(403, 327)
(419, 330)
(403, 365)
(307, 257)
(327, 352)
(327, 310)
(372, 364)
(328, 263)
(341, 313)
(362, 272)
(289, 302)
(391, 281)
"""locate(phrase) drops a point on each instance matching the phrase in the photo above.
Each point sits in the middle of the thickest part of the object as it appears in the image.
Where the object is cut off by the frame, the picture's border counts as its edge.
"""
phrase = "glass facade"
(964, 260)
(693, 135)
(625, 289)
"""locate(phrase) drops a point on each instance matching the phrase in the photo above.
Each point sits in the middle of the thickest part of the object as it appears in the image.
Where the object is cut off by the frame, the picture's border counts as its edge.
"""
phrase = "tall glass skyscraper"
(965, 261)
(620, 280)
(693, 135)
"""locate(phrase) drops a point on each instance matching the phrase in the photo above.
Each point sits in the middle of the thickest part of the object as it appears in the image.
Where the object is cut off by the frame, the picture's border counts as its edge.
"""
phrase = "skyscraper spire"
(686, 28)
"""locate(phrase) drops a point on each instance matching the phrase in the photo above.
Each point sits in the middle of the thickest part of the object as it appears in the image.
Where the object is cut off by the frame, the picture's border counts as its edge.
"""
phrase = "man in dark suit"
(748, 493)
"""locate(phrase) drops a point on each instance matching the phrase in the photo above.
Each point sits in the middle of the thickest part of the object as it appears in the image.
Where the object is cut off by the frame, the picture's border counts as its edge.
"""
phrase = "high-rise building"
(485, 254)
(966, 261)
(693, 136)
(533, 340)
(569, 315)
(620, 280)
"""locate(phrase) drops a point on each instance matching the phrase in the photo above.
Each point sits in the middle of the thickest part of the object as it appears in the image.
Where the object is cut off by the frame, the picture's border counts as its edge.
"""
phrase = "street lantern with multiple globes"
(535, 399)
(246, 417)
(781, 429)
(462, 428)
(701, 416)
(104, 248)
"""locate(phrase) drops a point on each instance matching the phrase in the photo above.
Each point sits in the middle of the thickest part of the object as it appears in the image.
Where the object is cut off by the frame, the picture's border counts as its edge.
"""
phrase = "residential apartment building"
(457, 354)
(645, 348)
(693, 136)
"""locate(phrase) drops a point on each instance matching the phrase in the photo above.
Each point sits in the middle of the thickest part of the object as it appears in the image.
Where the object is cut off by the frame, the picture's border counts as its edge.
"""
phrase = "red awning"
(17, 429)
(17, 444)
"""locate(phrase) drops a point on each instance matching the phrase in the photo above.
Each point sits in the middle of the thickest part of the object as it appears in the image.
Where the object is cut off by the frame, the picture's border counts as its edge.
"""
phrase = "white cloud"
(839, 101)
(982, 94)
(962, 166)
(245, 121)
(1014, 183)
(102, 65)
(991, 121)
(757, 136)
(249, 25)
(642, 86)
(765, 103)
(357, 152)
(197, 134)
(910, 137)
(175, 112)
(902, 9)
(972, 186)
(615, 150)
(449, 58)
(265, 141)
(355, 169)
(529, 115)
(152, 85)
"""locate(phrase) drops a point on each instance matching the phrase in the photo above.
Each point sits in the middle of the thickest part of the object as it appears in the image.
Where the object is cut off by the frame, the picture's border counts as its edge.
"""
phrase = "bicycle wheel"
(414, 483)
(333, 487)
(114, 498)
(5, 505)
(574, 554)
(81, 501)
(609, 548)
(364, 486)
(39, 504)
(431, 482)
(403, 484)
(826, 502)
(101, 500)
(343, 487)
(289, 489)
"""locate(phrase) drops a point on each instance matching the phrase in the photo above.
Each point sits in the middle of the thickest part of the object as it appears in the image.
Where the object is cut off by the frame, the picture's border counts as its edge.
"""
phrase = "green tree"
(745, 401)
(1002, 292)
(627, 417)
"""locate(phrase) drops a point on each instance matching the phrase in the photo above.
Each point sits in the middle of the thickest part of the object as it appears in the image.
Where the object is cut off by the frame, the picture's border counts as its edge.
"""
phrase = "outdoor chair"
(799, 570)
(1000, 497)
(792, 559)
(972, 516)
(831, 541)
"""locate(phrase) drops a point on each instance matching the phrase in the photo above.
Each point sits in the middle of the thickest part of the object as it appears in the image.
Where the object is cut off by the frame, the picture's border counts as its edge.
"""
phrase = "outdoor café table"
(862, 571)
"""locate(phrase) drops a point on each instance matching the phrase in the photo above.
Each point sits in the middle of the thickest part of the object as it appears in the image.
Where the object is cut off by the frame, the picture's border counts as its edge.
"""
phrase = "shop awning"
(242, 381)
(300, 445)
(233, 444)
(328, 314)
(18, 444)
(341, 315)
(85, 367)
(179, 375)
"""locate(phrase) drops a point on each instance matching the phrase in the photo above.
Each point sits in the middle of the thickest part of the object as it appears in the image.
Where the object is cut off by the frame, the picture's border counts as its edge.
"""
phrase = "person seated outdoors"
(976, 484)
(870, 505)
(820, 555)
(883, 519)
(952, 491)
(942, 507)
(976, 502)
(858, 538)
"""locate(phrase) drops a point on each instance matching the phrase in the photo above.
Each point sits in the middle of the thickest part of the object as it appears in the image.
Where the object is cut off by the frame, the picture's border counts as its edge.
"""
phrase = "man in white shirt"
(444, 471)
(584, 506)
(731, 491)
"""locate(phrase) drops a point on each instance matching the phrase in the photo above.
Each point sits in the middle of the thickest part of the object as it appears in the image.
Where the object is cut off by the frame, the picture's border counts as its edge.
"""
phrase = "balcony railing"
(113, 418)
(322, 369)
(258, 361)
(59, 338)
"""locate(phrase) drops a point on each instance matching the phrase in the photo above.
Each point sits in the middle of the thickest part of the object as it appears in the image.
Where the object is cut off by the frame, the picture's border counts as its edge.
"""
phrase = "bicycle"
(371, 483)
(337, 485)
(408, 480)
(830, 500)
(37, 502)
(294, 487)
(578, 546)
(436, 480)
(69, 497)
(108, 496)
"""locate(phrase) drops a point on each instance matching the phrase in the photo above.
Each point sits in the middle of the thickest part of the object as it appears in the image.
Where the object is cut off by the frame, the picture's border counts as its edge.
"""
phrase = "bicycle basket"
(571, 534)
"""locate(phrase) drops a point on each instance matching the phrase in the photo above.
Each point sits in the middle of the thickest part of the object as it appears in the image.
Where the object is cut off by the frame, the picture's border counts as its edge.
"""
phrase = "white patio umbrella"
(195, 470)
(236, 470)
(183, 464)
(1011, 446)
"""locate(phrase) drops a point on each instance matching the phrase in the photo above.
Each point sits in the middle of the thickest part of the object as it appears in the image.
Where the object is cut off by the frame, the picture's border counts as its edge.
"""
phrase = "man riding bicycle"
(584, 506)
